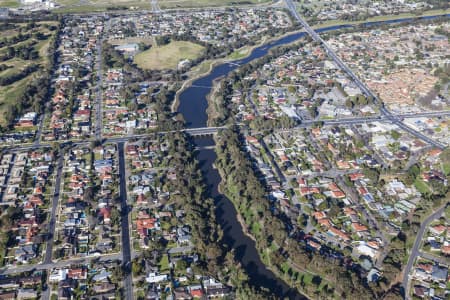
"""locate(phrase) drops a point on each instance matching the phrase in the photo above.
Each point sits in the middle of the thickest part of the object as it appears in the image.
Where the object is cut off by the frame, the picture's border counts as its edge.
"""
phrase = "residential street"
(52, 225)
(415, 249)
(126, 246)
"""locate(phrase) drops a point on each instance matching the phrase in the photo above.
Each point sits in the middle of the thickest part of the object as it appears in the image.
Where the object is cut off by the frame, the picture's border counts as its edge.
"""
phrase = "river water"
(193, 104)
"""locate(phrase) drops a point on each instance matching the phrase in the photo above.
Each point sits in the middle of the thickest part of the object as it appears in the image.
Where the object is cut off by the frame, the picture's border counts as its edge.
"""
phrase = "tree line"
(270, 228)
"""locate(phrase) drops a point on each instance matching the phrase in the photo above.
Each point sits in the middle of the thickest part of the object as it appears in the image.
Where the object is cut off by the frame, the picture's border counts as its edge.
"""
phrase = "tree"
(115, 217)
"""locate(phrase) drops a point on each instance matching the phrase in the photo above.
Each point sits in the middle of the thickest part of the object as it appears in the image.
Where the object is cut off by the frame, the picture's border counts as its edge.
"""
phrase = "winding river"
(193, 104)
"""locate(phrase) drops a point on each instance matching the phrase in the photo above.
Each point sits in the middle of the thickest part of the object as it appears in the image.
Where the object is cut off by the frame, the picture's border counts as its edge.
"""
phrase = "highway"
(126, 247)
(52, 225)
(385, 112)
(415, 249)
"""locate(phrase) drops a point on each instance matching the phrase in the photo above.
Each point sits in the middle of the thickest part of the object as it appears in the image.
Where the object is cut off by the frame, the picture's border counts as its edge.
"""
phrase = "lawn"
(164, 263)
(240, 53)
(421, 186)
(446, 168)
(168, 56)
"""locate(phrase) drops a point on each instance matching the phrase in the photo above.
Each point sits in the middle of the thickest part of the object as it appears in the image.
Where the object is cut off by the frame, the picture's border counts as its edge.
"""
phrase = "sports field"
(168, 56)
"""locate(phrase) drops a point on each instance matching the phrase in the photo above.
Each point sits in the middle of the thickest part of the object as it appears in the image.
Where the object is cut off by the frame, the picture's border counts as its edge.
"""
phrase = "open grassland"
(9, 3)
(434, 12)
(168, 56)
(15, 65)
(77, 6)
(167, 4)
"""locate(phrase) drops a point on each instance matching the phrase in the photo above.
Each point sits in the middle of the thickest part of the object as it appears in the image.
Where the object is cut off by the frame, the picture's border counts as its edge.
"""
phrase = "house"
(57, 275)
(77, 273)
(420, 291)
(8, 295)
(439, 273)
(196, 291)
(155, 278)
(27, 294)
(336, 232)
(437, 229)
(363, 249)
(25, 253)
(105, 214)
(359, 227)
(102, 276)
(103, 287)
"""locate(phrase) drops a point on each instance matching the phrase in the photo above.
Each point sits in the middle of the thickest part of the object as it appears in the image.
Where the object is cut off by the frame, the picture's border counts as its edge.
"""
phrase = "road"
(126, 247)
(59, 264)
(155, 7)
(8, 175)
(99, 86)
(385, 112)
(199, 131)
(37, 138)
(415, 249)
(52, 225)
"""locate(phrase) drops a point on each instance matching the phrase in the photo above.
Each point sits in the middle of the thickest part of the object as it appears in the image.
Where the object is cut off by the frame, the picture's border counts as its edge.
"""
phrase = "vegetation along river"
(193, 106)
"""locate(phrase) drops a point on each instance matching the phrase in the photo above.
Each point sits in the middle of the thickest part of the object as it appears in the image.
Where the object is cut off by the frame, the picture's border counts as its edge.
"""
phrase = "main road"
(126, 247)
(394, 119)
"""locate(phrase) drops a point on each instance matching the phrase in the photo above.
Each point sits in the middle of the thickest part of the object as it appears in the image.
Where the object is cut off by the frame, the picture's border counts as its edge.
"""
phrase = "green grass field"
(433, 12)
(167, 4)
(421, 186)
(10, 93)
(77, 6)
(9, 3)
(168, 56)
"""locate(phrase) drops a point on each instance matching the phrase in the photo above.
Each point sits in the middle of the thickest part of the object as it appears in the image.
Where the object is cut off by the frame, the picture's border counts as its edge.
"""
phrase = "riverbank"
(296, 276)
(266, 265)
(245, 230)
(386, 18)
(206, 67)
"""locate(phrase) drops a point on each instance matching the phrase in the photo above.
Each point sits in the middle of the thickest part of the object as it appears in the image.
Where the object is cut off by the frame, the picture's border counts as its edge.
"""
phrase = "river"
(193, 105)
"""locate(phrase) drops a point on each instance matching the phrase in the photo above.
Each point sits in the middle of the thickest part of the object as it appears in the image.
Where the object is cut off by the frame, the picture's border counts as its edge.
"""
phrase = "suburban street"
(415, 249)
(52, 224)
(99, 90)
(125, 228)
(98, 131)
(384, 111)
(59, 264)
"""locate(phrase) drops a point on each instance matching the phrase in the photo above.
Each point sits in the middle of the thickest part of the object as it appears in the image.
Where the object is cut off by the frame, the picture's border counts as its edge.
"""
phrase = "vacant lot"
(168, 56)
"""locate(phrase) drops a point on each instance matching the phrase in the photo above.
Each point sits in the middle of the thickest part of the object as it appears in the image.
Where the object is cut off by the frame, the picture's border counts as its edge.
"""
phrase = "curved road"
(415, 249)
